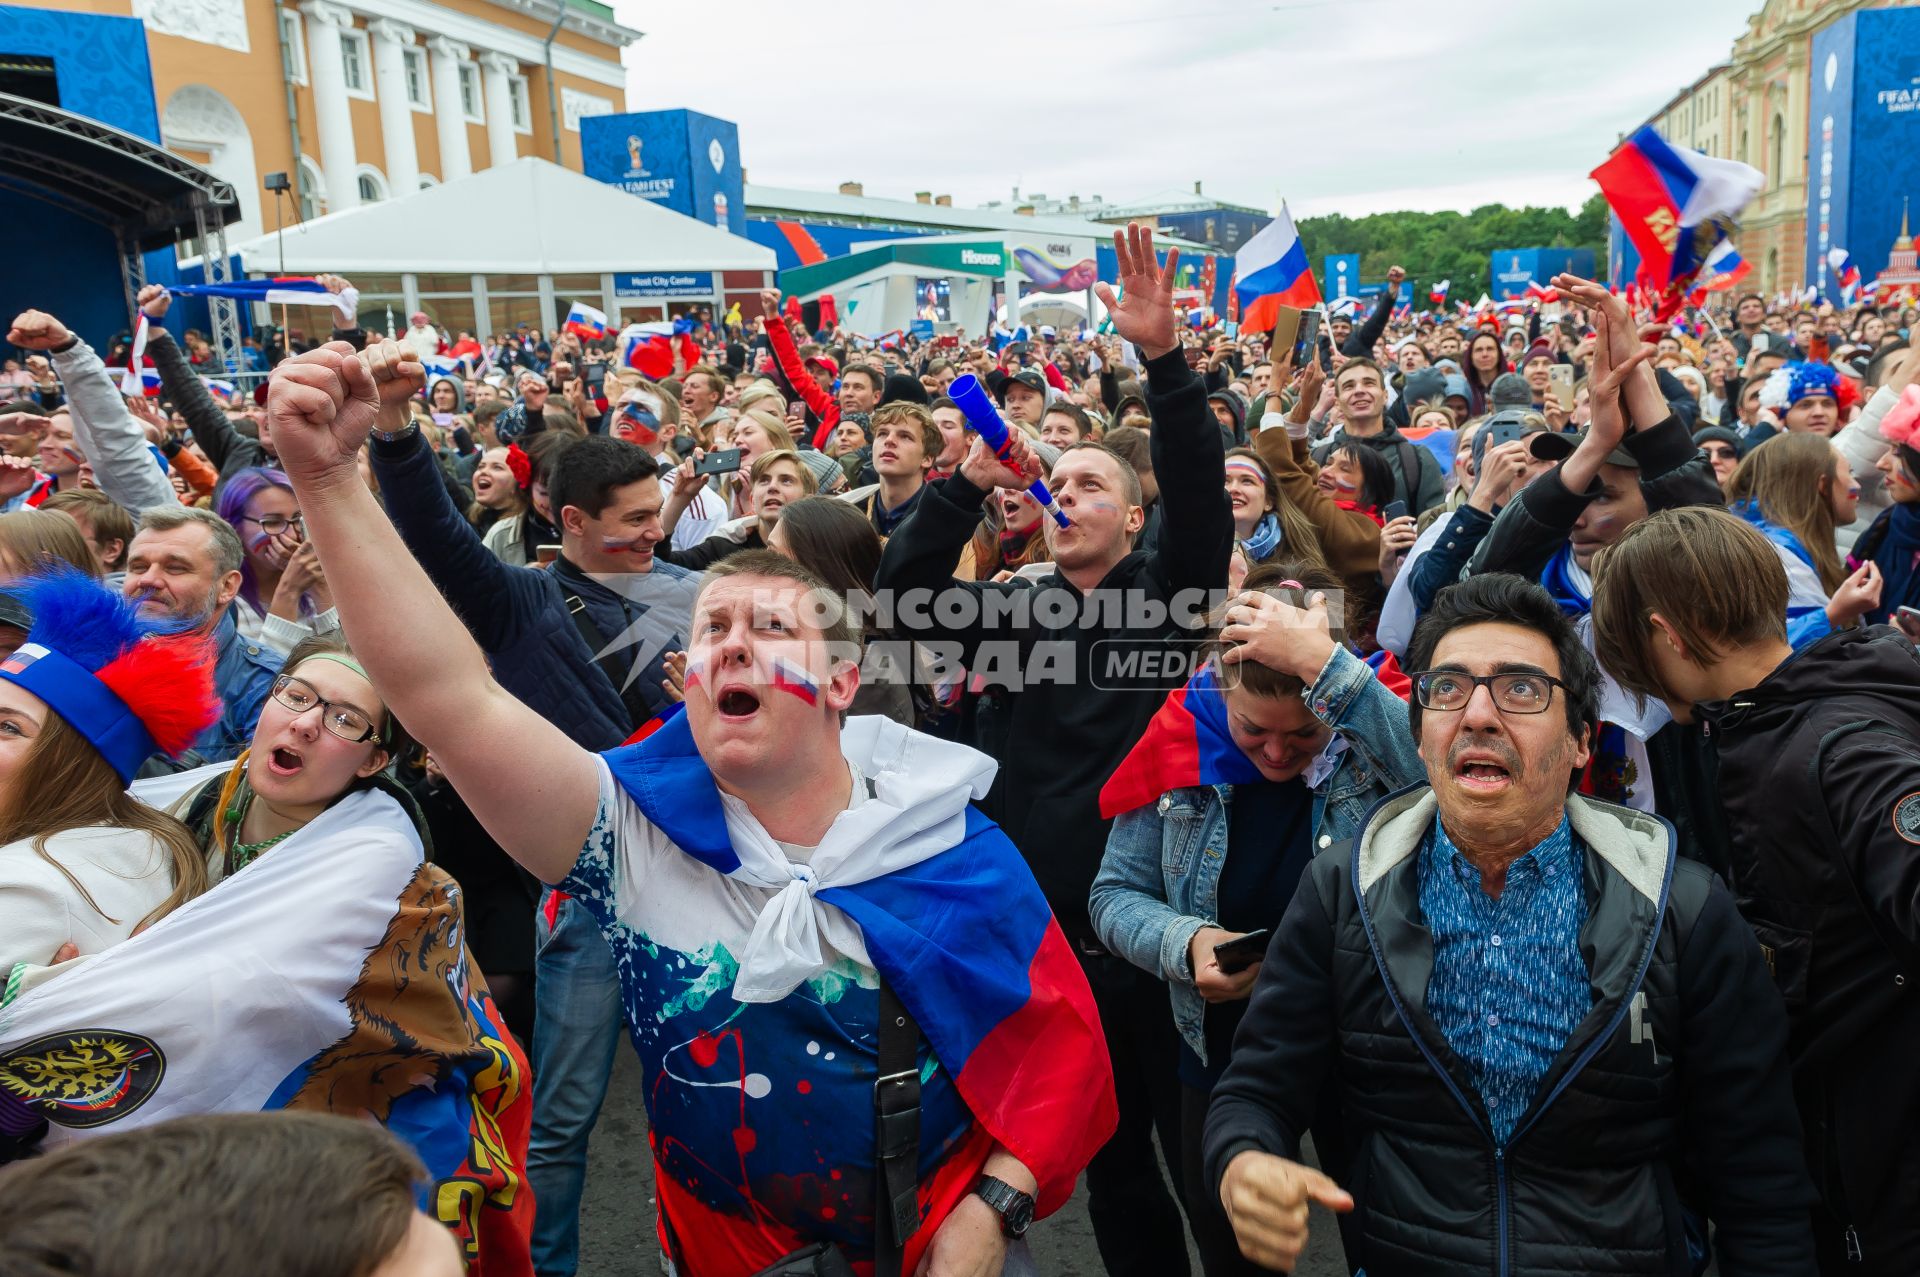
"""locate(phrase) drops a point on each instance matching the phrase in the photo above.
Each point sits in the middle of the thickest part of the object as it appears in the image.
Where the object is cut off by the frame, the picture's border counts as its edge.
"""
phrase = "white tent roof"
(530, 217)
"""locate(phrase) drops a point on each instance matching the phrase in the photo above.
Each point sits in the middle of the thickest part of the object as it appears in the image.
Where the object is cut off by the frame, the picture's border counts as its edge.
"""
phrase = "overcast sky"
(1352, 106)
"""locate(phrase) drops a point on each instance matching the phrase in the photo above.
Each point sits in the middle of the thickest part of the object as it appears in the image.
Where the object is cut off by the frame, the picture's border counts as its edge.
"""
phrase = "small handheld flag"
(1438, 293)
(1271, 271)
(586, 323)
(1845, 274)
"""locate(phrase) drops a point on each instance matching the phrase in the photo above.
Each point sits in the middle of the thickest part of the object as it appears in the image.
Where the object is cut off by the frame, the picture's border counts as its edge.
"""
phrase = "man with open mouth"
(1553, 1042)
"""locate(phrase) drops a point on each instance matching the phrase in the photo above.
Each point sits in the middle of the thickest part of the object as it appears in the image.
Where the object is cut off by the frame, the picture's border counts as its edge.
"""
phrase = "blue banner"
(691, 283)
(684, 160)
(1342, 275)
(1863, 152)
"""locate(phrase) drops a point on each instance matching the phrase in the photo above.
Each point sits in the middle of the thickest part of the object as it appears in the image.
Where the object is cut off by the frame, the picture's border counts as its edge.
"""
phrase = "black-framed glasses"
(344, 721)
(275, 525)
(1515, 692)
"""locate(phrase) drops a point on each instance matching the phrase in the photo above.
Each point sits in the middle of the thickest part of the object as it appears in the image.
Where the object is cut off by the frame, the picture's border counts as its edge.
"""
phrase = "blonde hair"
(784, 456)
(1783, 478)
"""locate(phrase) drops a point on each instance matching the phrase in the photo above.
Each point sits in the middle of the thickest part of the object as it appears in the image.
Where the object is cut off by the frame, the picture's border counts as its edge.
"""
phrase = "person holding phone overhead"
(1295, 739)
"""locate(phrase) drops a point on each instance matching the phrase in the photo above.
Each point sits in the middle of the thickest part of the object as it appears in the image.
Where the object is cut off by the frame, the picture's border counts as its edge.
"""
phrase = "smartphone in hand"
(1236, 955)
(721, 461)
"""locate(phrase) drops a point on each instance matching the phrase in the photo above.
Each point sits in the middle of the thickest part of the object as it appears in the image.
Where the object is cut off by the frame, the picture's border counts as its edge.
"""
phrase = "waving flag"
(650, 348)
(1722, 270)
(1675, 205)
(948, 914)
(1845, 274)
(1272, 271)
(287, 290)
(330, 976)
(586, 323)
(1542, 294)
(1438, 293)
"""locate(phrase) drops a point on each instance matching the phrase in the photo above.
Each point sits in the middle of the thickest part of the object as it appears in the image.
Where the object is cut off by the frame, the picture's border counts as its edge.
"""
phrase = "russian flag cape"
(1187, 742)
(951, 918)
(330, 976)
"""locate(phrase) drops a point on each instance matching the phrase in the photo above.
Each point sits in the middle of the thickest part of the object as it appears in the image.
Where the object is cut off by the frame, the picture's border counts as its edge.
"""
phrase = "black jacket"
(1068, 727)
(1417, 478)
(1820, 776)
(1361, 341)
(520, 616)
(1671, 1096)
(1531, 530)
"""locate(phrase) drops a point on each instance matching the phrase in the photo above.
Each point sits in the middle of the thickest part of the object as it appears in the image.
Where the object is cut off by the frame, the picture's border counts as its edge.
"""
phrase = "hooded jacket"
(1670, 1098)
(1819, 772)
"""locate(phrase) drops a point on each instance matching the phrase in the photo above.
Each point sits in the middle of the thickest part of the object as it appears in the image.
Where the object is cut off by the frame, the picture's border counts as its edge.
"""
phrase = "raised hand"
(37, 330)
(1292, 640)
(986, 471)
(1143, 314)
(154, 301)
(321, 405)
(16, 476)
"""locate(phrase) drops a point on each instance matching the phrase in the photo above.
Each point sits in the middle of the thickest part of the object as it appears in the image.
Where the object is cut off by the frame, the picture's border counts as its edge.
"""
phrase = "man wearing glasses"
(1551, 1042)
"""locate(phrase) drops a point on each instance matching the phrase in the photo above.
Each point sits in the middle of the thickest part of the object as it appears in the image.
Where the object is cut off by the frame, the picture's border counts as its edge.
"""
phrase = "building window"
(356, 60)
(470, 94)
(574, 105)
(373, 187)
(293, 49)
(313, 190)
(1778, 172)
(522, 108)
(419, 96)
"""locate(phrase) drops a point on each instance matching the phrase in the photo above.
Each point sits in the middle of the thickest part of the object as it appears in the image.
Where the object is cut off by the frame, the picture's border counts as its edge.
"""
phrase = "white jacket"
(114, 878)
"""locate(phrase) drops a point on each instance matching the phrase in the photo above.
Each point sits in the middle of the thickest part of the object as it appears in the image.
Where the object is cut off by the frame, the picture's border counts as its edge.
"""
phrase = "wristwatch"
(395, 436)
(1014, 1207)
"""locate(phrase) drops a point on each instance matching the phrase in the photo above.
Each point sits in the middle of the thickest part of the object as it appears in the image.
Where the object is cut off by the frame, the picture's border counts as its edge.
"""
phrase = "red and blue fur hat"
(131, 686)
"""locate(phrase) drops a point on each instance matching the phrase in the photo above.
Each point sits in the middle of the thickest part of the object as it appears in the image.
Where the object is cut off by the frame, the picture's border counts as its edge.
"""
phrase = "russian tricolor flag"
(1723, 269)
(1539, 293)
(288, 290)
(1186, 743)
(1272, 271)
(1845, 273)
(586, 323)
(791, 676)
(1438, 293)
(1675, 205)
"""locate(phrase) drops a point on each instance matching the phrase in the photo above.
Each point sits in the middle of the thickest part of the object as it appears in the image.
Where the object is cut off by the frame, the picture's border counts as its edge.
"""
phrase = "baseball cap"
(1552, 447)
(13, 612)
(1510, 390)
(1028, 377)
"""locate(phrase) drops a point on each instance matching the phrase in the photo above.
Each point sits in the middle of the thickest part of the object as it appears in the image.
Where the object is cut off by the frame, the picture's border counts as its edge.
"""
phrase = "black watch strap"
(1014, 1207)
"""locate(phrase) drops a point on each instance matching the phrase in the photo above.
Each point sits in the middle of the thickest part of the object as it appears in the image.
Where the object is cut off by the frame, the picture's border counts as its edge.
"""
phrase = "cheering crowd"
(1461, 772)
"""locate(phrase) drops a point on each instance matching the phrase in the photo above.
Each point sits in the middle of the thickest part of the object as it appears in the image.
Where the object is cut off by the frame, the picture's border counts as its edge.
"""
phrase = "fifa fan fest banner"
(1863, 153)
(1510, 270)
(687, 161)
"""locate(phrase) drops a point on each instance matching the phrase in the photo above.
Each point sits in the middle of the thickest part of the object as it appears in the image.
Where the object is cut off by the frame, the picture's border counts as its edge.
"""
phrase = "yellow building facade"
(364, 100)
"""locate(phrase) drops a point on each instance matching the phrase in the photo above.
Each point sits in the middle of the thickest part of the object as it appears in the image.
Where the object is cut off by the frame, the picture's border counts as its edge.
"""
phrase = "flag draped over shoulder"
(331, 975)
(952, 920)
(1186, 743)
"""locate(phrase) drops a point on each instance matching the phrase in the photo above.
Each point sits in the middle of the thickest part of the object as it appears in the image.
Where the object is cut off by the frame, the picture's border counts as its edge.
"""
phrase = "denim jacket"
(1159, 881)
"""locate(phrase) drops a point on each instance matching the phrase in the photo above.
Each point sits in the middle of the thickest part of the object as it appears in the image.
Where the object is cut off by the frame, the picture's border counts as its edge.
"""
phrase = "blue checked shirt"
(1508, 984)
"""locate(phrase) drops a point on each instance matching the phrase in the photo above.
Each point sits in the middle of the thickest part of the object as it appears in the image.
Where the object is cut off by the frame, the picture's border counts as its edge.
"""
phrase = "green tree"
(1453, 246)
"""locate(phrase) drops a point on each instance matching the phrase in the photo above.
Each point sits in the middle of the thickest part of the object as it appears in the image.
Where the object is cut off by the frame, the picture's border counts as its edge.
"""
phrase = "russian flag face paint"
(696, 673)
(791, 676)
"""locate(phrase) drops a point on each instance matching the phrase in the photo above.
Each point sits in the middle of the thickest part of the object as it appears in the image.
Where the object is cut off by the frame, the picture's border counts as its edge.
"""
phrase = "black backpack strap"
(896, 1110)
(596, 642)
(1410, 472)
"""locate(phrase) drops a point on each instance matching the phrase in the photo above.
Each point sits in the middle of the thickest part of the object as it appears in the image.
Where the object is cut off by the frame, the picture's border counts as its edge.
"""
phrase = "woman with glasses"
(283, 593)
(1295, 739)
(323, 732)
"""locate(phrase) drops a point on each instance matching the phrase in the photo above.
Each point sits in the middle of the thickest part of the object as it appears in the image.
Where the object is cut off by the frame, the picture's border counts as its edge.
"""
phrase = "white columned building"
(498, 70)
(325, 22)
(449, 115)
(391, 40)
